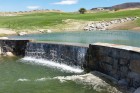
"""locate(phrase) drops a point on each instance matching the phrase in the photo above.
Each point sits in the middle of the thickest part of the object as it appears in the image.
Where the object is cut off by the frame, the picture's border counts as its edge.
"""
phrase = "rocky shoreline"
(103, 25)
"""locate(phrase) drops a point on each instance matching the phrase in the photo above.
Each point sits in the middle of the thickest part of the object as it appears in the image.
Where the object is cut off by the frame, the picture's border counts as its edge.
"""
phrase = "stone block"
(133, 79)
(115, 53)
(106, 68)
(125, 54)
(115, 64)
(104, 50)
(123, 71)
(107, 59)
(135, 56)
(135, 65)
(123, 61)
(115, 74)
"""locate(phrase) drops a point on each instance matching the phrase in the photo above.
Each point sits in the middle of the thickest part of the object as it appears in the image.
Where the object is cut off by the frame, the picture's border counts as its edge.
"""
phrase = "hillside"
(61, 21)
(122, 6)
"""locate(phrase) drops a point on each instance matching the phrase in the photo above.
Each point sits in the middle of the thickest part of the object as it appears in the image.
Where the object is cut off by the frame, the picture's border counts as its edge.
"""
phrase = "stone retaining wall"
(119, 61)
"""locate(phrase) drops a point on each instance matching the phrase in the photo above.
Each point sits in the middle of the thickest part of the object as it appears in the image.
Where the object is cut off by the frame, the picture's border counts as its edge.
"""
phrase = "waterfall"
(74, 56)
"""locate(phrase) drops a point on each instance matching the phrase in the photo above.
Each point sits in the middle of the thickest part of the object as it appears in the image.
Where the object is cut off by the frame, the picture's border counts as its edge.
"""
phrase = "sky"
(64, 5)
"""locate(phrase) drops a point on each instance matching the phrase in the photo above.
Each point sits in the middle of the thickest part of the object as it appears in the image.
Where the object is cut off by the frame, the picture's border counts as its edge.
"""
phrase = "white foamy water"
(90, 79)
(23, 80)
(52, 64)
(42, 79)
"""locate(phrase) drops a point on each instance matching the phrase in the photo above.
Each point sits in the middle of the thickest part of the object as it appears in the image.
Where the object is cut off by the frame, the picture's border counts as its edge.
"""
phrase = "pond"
(21, 76)
(131, 38)
(29, 75)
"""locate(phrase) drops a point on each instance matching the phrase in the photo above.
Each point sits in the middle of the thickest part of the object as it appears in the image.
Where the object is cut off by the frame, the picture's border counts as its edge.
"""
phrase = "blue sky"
(65, 5)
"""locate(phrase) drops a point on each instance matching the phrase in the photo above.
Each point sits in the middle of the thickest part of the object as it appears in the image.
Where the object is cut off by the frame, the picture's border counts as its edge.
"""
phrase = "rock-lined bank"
(104, 25)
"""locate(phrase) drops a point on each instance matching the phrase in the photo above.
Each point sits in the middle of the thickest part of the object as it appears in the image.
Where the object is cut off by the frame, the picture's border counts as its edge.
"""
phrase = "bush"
(82, 10)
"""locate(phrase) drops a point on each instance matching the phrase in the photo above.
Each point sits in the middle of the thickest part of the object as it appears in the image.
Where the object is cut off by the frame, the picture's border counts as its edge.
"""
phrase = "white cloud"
(33, 7)
(66, 2)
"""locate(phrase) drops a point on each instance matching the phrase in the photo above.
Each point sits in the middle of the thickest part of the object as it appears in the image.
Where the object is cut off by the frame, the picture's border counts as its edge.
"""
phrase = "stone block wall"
(119, 61)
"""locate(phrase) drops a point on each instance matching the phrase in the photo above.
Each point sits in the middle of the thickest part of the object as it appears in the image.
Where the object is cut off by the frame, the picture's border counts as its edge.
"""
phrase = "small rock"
(49, 31)
(41, 30)
(22, 33)
(3, 37)
(9, 54)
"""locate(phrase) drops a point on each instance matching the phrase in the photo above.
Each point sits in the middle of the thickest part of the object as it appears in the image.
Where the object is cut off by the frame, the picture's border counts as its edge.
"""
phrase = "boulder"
(86, 28)
(9, 54)
(99, 26)
(22, 33)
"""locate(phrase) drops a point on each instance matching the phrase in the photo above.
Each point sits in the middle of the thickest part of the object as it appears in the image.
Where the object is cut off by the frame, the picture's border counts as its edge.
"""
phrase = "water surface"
(131, 38)
(19, 77)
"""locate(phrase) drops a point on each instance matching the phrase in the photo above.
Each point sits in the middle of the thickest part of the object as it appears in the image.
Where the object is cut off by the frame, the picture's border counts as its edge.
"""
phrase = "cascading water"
(43, 62)
(65, 57)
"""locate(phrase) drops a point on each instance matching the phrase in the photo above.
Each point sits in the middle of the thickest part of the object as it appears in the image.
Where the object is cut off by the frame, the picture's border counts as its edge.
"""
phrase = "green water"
(130, 38)
(13, 71)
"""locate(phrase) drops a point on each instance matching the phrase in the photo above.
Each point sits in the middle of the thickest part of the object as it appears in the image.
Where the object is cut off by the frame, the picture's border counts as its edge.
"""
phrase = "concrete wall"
(119, 61)
(71, 54)
(17, 47)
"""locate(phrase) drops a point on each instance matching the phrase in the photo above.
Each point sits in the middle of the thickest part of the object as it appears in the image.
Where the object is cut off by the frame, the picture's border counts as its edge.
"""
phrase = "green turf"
(42, 20)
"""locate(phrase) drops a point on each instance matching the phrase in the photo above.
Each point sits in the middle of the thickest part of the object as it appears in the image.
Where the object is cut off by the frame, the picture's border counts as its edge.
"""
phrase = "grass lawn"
(43, 20)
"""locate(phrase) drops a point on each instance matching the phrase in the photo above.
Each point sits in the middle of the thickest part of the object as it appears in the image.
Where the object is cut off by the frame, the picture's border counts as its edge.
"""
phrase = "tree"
(116, 9)
(82, 10)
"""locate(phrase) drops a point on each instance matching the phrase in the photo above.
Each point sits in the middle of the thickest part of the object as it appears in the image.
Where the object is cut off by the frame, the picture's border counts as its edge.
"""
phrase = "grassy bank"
(46, 20)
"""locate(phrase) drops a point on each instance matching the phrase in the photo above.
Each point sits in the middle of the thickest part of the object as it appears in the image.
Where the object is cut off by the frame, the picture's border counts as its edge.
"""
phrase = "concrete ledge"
(129, 48)
(62, 43)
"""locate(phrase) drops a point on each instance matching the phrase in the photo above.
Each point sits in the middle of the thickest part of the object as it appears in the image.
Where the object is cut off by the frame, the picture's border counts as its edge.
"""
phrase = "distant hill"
(120, 6)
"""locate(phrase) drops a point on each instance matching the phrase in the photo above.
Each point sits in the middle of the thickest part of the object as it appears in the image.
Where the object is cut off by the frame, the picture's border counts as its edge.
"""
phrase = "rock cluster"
(45, 30)
(104, 24)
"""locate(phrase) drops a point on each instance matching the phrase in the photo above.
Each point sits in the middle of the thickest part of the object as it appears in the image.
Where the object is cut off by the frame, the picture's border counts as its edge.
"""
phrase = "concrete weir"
(67, 53)
(118, 61)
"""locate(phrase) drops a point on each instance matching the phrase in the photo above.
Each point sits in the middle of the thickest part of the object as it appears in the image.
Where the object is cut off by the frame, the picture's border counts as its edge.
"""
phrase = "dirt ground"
(4, 31)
